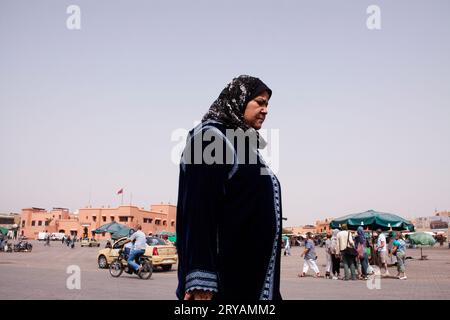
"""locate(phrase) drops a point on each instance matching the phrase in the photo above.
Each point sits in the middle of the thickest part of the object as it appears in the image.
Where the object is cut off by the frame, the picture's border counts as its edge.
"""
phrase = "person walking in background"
(47, 240)
(328, 256)
(335, 256)
(287, 246)
(310, 257)
(390, 244)
(399, 250)
(360, 244)
(345, 241)
(74, 239)
(381, 249)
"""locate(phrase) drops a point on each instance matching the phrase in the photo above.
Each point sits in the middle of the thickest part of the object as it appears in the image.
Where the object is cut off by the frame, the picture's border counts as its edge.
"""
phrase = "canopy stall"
(373, 220)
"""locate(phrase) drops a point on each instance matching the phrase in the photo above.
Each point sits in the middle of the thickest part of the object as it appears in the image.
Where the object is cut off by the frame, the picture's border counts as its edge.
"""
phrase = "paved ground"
(41, 274)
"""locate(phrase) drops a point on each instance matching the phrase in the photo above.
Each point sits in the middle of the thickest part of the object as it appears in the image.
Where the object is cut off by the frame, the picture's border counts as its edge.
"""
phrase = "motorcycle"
(23, 246)
(120, 265)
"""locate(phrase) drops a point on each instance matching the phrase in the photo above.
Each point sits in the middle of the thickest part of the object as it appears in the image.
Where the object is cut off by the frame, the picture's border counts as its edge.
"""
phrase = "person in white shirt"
(345, 240)
(139, 247)
(381, 249)
(328, 255)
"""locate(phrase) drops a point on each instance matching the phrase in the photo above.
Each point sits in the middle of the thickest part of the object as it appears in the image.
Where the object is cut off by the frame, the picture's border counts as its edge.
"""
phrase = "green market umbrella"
(123, 232)
(117, 230)
(3, 231)
(373, 220)
(109, 227)
(168, 233)
(422, 239)
(171, 236)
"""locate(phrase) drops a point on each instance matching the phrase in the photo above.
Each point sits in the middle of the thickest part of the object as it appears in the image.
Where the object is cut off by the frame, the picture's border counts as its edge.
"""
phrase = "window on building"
(123, 219)
(158, 222)
(94, 218)
(104, 219)
(33, 223)
(59, 217)
(164, 223)
(47, 222)
(112, 218)
(172, 223)
(148, 220)
(87, 218)
(23, 223)
(39, 223)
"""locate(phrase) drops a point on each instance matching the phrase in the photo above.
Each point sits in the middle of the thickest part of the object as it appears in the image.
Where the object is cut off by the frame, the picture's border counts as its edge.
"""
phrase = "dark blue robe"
(228, 223)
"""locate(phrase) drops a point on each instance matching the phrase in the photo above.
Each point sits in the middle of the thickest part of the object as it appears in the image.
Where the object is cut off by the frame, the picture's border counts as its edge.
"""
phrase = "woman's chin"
(257, 125)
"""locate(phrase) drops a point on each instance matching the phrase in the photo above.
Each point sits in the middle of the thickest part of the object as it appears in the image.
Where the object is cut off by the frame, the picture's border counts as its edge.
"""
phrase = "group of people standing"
(355, 253)
(70, 242)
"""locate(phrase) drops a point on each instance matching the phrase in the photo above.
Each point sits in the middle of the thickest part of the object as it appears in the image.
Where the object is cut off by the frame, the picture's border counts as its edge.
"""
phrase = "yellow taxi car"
(162, 254)
(85, 242)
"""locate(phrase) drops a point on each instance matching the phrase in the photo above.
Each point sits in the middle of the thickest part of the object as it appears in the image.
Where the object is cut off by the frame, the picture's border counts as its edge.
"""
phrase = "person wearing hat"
(227, 197)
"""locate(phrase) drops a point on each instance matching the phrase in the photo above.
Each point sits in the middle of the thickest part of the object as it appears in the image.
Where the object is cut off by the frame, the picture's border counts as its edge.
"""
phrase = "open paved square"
(42, 274)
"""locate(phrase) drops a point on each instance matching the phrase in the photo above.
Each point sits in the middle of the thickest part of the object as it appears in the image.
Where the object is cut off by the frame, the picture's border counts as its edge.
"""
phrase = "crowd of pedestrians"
(357, 253)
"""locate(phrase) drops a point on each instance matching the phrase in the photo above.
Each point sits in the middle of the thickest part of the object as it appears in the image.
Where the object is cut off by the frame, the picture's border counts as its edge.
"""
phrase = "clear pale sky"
(363, 115)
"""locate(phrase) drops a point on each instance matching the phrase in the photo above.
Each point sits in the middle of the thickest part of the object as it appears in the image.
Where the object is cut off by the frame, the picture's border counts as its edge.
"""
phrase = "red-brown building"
(159, 218)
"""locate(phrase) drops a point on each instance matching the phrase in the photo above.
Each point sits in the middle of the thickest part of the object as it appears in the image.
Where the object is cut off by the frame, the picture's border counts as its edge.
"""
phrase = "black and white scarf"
(229, 107)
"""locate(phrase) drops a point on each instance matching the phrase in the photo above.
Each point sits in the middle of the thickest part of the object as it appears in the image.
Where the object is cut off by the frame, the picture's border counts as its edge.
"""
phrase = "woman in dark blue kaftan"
(229, 210)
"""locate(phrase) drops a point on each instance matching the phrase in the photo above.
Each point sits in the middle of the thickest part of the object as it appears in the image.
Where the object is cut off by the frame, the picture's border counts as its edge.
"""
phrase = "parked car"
(162, 254)
(42, 236)
(89, 242)
(57, 236)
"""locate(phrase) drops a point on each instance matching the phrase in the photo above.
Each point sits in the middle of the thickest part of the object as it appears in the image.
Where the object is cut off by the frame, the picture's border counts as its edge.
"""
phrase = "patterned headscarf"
(361, 236)
(230, 106)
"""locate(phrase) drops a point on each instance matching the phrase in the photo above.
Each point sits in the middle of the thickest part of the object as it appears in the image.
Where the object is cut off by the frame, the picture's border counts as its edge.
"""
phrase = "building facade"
(301, 230)
(9, 220)
(323, 225)
(160, 217)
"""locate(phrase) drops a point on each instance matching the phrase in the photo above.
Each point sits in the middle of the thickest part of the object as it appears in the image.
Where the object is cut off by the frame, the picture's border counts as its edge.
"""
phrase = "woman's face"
(256, 111)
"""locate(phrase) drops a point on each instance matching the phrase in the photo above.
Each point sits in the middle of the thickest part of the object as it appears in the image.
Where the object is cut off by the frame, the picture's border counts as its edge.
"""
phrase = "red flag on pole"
(120, 191)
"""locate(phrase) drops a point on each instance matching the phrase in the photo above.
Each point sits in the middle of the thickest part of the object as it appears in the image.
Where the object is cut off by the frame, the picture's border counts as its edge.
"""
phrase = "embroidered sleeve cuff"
(203, 280)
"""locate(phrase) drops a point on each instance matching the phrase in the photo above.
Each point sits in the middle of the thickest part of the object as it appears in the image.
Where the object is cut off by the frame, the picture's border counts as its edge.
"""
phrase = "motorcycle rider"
(139, 248)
